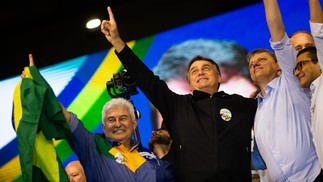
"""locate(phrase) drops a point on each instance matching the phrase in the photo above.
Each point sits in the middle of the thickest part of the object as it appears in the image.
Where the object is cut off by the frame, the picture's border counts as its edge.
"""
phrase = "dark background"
(54, 30)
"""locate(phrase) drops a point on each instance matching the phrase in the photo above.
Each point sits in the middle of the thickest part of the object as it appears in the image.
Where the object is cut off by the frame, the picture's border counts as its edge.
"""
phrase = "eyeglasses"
(300, 64)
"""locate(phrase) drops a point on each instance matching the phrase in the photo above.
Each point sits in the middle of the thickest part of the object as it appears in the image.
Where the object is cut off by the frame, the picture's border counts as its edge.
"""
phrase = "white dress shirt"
(282, 123)
(317, 94)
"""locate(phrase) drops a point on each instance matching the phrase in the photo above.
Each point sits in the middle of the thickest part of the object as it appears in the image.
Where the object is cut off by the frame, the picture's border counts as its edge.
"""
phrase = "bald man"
(75, 172)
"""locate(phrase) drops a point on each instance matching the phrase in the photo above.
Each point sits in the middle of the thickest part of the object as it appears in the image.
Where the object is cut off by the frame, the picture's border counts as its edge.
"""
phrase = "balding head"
(75, 172)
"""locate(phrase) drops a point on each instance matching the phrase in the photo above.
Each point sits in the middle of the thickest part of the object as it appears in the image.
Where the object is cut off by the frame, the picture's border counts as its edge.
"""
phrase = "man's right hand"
(110, 30)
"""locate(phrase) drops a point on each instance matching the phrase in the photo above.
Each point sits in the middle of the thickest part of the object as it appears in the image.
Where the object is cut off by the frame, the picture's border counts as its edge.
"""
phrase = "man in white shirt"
(308, 69)
(282, 122)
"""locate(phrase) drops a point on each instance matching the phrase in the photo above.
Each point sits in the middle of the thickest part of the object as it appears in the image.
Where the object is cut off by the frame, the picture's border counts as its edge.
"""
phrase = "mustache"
(116, 129)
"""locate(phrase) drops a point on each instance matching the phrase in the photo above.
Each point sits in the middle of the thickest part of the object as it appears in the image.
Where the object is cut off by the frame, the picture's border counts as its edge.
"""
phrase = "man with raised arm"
(210, 129)
(282, 123)
(308, 70)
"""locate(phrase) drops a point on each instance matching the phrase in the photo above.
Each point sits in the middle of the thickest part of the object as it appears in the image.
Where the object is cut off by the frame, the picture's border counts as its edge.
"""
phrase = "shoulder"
(241, 101)
(235, 97)
(147, 154)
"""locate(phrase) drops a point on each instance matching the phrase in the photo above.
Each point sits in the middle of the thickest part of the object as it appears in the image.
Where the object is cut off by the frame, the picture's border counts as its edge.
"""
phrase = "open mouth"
(118, 131)
(202, 79)
(257, 69)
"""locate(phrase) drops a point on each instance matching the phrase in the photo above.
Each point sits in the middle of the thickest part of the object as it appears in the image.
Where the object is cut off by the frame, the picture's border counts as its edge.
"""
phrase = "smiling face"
(118, 125)
(204, 76)
(263, 68)
(306, 70)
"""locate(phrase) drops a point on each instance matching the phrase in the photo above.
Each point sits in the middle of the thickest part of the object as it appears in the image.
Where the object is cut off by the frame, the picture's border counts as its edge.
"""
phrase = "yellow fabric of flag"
(38, 120)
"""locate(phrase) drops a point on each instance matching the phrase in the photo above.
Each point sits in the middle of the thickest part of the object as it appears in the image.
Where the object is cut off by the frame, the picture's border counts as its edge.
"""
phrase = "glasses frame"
(300, 64)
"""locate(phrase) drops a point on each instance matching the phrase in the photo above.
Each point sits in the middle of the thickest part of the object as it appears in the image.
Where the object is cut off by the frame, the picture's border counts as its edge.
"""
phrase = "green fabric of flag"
(103, 147)
(38, 119)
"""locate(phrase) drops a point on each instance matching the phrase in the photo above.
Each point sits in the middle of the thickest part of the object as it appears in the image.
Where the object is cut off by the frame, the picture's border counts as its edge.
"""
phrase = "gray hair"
(118, 102)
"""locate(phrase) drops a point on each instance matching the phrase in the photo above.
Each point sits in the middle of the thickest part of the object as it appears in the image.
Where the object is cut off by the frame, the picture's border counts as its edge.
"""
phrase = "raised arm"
(316, 24)
(67, 115)
(110, 30)
(315, 11)
(274, 20)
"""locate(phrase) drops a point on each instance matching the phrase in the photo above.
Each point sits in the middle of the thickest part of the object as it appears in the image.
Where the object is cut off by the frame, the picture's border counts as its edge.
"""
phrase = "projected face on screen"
(230, 56)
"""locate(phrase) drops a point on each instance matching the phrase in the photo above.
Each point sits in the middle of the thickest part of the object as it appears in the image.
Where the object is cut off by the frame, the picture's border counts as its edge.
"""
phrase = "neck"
(161, 150)
(127, 147)
(263, 92)
(262, 86)
(126, 144)
(209, 91)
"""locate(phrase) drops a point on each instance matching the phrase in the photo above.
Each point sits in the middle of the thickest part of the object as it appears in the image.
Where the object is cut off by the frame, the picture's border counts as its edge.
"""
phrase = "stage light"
(93, 23)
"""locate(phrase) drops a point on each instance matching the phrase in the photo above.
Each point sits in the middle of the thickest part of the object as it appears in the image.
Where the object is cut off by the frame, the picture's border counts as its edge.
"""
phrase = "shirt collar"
(315, 83)
(269, 87)
(198, 95)
(134, 144)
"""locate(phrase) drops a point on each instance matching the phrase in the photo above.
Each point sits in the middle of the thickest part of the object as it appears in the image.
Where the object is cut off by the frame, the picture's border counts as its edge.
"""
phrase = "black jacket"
(206, 147)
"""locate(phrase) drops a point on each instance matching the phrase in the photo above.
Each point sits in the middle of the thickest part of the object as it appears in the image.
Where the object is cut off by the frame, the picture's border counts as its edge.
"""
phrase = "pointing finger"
(110, 14)
(31, 60)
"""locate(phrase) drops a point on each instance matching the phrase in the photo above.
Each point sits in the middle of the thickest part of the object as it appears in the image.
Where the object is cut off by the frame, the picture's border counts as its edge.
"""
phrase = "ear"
(135, 123)
(279, 72)
(188, 78)
(219, 78)
(103, 125)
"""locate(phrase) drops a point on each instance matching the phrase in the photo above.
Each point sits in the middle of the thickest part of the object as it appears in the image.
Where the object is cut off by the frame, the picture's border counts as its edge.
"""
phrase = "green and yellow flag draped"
(38, 120)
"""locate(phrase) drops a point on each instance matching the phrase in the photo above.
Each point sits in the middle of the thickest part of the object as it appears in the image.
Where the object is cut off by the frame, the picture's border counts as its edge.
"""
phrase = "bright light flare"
(93, 23)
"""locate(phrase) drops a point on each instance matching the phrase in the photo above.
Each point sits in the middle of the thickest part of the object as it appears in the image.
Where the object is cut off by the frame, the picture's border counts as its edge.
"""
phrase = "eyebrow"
(260, 58)
(124, 115)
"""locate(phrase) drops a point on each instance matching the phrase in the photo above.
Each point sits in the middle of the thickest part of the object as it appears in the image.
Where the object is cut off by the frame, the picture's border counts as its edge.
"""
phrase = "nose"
(200, 72)
(252, 65)
(117, 122)
(296, 72)
(255, 64)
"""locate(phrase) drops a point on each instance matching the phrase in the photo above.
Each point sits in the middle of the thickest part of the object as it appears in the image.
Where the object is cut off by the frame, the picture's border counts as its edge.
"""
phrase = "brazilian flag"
(38, 120)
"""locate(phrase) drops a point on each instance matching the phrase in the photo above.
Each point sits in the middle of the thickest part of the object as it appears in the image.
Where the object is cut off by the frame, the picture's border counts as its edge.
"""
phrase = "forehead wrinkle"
(203, 65)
